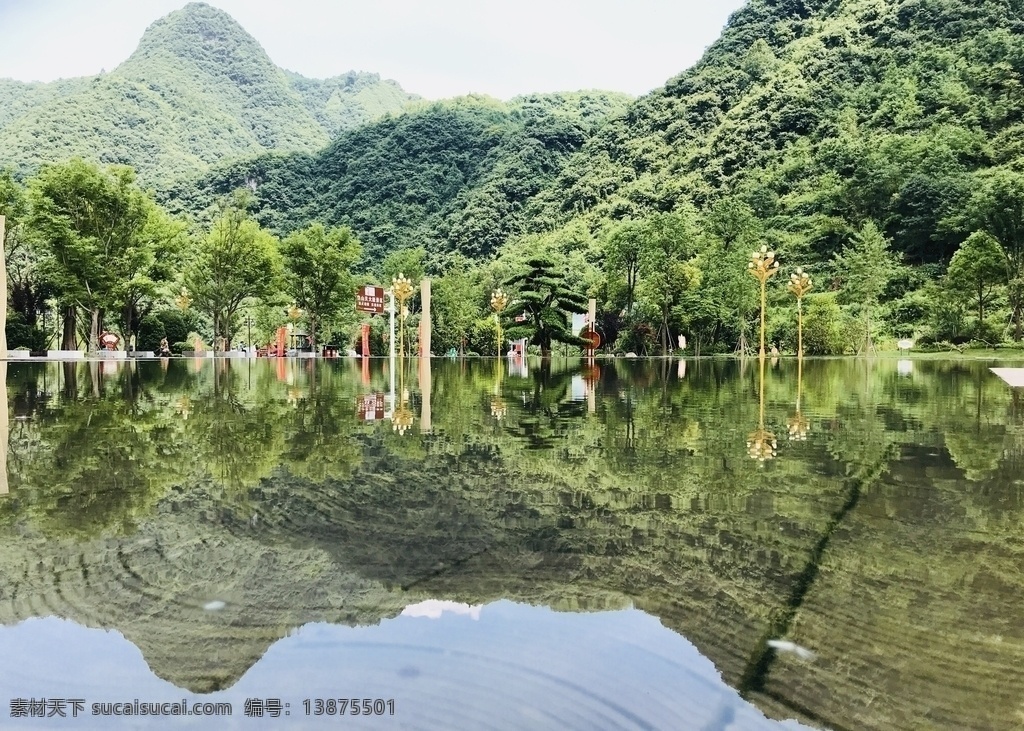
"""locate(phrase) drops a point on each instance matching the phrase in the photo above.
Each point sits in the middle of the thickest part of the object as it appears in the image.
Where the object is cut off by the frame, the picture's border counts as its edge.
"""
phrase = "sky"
(436, 48)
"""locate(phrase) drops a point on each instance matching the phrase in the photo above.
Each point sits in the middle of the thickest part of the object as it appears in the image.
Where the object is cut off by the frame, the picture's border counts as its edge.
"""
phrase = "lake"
(663, 544)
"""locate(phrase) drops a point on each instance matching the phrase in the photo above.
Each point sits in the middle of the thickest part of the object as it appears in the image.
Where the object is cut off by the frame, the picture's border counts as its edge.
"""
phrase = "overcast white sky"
(435, 48)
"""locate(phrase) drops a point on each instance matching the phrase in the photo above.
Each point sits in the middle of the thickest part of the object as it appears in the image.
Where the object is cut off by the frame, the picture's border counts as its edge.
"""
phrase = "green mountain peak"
(197, 90)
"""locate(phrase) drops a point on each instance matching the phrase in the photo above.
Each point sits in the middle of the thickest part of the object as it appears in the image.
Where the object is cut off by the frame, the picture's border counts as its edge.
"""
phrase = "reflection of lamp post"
(762, 265)
(498, 407)
(403, 291)
(798, 425)
(761, 443)
(799, 285)
(402, 419)
(498, 303)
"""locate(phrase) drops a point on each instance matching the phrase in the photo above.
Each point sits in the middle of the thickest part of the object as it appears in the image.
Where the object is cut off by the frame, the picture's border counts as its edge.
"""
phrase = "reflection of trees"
(862, 537)
(89, 465)
(544, 415)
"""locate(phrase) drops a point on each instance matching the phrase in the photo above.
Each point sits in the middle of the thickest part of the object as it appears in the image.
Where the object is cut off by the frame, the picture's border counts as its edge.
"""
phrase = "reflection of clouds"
(434, 608)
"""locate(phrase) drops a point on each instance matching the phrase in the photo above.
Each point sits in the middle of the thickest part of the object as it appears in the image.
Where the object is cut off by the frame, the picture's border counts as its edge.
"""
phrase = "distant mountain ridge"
(198, 89)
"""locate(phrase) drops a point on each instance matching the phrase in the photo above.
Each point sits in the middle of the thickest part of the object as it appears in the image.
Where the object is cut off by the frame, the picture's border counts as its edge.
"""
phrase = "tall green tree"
(666, 266)
(28, 292)
(978, 268)
(623, 252)
(866, 265)
(997, 207)
(105, 241)
(456, 305)
(543, 299)
(235, 262)
(318, 276)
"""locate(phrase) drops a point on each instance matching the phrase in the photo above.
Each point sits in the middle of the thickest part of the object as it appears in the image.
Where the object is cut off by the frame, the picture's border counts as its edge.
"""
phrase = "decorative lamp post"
(403, 290)
(183, 300)
(799, 285)
(499, 301)
(762, 265)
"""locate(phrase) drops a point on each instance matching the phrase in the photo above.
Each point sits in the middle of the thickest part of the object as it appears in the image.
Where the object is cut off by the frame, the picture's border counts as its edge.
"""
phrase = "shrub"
(151, 332)
(177, 325)
(21, 335)
(824, 326)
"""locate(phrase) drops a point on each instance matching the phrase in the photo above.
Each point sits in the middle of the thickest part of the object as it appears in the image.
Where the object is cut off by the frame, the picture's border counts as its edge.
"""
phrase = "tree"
(541, 295)
(409, 262)
(666, 266)
(237, 260)
(27, 290)
(866, 265)
(623, 251)
(977, 269)
(105, 241)
(318, 277)
(456, 305)
(997, 207)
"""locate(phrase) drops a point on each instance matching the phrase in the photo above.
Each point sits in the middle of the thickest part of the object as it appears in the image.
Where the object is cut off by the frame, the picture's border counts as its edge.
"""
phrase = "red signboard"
(370, 407)
(370, 299)
(592, 338)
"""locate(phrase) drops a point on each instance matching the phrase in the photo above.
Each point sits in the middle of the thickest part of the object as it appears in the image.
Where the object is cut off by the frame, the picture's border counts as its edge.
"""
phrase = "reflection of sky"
(505, 665)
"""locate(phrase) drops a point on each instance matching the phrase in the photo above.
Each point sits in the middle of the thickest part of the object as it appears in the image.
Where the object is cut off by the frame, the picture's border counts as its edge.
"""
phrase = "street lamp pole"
(799, 285)
(762, 265)
(403, 291)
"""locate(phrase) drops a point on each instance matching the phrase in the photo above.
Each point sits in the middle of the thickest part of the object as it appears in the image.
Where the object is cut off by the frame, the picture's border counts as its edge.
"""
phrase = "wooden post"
(592, 324)
(424, 318)
(425, 395)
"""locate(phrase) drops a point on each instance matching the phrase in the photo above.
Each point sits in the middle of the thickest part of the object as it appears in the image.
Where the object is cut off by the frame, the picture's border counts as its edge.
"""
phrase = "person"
(165, 349)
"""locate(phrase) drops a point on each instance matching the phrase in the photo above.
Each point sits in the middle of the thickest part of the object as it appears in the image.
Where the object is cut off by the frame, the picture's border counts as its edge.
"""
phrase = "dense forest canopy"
(837, 134)
(198, 89)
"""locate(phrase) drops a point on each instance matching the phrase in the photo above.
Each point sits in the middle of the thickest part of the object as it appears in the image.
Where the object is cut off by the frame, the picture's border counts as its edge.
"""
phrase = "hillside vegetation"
(874, 143)
(453, 176)
(831, 132)
(198, 89)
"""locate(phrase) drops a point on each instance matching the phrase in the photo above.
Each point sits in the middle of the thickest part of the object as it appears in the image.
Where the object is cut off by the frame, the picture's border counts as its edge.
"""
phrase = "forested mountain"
(198, 89)
(874, 143)
(822, 114)
(833, 132)
(452, 176)
(817, 115)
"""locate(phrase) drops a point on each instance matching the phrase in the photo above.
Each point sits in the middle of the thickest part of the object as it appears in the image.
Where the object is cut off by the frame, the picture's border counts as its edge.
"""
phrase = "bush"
(21, 335)
(637, 337)
(824, 326)
(151, 332)
(177, 325)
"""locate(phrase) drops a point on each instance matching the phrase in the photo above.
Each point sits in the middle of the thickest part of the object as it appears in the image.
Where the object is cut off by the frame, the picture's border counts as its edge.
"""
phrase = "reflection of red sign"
(591, 374)
(370, 407)
(370, 299)
(592, 338)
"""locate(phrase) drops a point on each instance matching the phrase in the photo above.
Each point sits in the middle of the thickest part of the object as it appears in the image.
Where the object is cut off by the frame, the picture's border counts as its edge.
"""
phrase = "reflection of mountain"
(909, 608)
(153, 587)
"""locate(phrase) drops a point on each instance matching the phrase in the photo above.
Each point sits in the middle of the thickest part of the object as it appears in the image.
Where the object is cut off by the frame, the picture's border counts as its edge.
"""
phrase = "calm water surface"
(638, 545)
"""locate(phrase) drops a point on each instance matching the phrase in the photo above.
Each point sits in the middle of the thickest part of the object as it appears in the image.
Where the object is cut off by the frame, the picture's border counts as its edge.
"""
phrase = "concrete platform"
(1013, 376)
